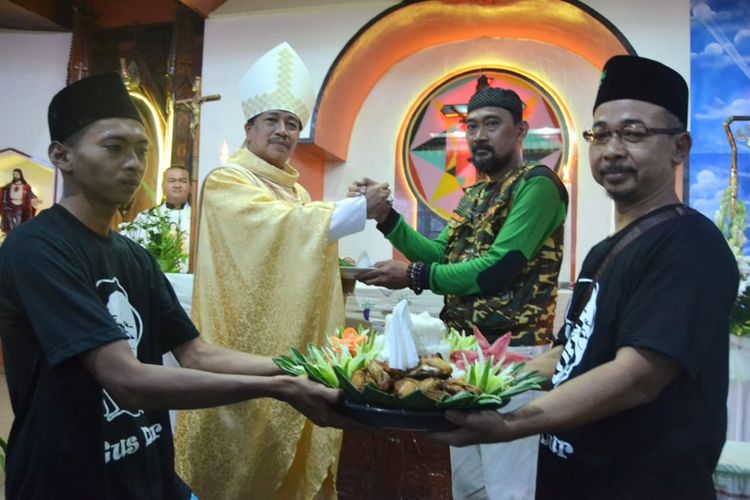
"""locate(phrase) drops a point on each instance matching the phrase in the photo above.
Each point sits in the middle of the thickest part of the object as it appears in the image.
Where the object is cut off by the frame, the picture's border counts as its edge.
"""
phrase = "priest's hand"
(389, 274)
(474, 427)
(317, 402)
(378, 196)
(359, 187)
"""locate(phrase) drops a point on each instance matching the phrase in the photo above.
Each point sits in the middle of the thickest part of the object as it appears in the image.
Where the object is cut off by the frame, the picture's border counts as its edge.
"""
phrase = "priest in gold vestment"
(266, 279)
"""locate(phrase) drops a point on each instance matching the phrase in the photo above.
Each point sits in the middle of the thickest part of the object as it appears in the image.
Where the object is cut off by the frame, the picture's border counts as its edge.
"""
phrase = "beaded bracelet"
(414, 273)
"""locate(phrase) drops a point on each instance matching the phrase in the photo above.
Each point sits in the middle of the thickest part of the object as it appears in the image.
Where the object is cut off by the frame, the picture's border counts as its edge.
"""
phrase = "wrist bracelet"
(414, 274)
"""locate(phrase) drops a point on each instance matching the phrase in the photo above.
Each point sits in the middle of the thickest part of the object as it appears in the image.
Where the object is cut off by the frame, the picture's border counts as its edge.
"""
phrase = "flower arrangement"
(162, 238)
(732, 226)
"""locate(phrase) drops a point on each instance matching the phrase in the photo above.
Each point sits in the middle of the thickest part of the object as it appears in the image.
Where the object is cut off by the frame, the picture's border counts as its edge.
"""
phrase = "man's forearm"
(201, 355)
(136, 385)
(163, 388)
(414, 246)
(633, 378)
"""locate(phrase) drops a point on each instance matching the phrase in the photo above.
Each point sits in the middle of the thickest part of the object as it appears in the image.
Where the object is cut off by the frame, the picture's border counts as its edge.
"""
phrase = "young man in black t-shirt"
(85, 316)
(639, 371)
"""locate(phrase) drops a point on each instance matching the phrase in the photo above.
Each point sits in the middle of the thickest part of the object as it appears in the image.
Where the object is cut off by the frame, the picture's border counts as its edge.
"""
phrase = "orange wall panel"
(311, 166)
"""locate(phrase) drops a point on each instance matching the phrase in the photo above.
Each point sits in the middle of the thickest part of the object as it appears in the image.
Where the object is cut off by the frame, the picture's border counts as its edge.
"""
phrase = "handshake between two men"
(389, 273)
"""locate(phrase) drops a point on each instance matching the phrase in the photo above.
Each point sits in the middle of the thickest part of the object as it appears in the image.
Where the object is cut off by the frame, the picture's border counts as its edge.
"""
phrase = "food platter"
(413, 399)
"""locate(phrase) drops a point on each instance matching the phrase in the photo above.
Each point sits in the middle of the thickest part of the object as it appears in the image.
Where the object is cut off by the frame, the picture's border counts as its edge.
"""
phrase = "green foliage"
(733, 228)
(154, 231)
(739, 317)
(460, 341)
(3, 449)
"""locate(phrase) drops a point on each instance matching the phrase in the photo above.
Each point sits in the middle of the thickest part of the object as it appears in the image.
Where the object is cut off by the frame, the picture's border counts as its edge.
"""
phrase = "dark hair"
(23, 180)
(177, 167)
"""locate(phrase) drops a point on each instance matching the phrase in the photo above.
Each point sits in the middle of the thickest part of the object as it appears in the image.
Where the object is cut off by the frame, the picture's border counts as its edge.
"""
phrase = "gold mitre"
(278, 80)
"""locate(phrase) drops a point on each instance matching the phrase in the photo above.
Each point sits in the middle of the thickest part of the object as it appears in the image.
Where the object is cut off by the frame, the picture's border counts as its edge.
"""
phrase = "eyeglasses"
(632, 132)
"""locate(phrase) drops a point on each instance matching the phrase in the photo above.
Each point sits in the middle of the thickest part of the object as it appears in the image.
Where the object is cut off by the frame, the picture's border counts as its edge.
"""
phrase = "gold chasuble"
(266, 279)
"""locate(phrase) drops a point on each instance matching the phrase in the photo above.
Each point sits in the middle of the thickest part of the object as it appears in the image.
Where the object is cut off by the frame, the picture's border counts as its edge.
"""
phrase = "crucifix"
(733, 170)
(81, 69)
(194, 105)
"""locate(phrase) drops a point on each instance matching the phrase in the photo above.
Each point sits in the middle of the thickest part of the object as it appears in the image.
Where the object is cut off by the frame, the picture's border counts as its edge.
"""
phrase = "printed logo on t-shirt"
(577, 333)
(129, 321)
(561, 448)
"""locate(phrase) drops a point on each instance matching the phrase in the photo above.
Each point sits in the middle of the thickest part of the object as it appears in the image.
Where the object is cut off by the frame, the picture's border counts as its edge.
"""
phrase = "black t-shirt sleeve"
(51, 289)
(174, 324)
(681, 301)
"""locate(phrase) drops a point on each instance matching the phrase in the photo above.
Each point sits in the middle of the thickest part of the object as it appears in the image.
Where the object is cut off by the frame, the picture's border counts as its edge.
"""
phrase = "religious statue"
(17, 202)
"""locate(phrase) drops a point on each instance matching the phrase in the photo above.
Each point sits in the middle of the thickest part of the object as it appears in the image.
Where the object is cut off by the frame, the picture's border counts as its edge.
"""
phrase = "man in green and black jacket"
(496, 262)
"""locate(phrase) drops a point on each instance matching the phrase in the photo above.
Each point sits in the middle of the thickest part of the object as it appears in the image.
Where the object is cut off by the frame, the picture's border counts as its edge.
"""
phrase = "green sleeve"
(538, 209)
(416, 247)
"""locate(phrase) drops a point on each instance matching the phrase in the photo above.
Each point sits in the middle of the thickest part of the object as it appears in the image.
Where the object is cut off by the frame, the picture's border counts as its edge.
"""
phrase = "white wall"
(33, 67)
(659, 30)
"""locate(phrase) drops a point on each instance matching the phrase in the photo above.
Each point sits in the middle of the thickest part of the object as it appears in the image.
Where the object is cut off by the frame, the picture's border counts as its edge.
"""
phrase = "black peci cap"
(497, 97)
(86, 101)
(641, 79)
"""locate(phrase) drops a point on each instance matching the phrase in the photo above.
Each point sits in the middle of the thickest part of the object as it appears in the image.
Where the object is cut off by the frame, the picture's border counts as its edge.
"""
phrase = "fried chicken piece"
(359, 379)
(392, 372)
(431, 366)
(379, 376)
(405, 386)
(454, 386)
(433, 388)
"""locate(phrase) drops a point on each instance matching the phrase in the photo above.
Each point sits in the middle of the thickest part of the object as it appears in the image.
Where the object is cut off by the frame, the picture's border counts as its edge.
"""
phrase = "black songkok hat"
(641, 79)
(497, 97)
(86, 101)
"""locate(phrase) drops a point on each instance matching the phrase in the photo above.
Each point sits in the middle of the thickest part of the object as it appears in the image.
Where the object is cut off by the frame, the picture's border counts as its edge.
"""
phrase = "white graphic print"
(129, 321)
(562, 449)
(578, 334)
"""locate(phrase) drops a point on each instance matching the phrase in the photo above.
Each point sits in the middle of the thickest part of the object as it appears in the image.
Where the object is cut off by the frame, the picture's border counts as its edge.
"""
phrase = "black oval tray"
(397, 418)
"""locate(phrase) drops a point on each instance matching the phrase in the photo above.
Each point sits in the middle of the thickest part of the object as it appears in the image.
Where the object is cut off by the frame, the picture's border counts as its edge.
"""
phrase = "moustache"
(616, 168)
(281, 142)
(482, 147)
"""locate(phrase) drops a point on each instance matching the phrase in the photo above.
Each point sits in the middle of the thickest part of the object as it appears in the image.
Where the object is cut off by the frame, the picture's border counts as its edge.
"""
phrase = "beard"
(618, 192)
(493, 163)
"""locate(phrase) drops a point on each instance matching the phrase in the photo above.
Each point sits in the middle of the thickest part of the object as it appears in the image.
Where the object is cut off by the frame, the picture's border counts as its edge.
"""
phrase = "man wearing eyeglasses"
(639, 371)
